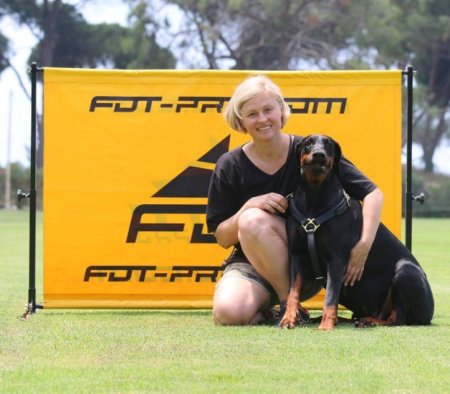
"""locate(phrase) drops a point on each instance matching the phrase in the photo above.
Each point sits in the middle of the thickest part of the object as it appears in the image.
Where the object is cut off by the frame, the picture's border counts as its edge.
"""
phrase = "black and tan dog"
(323, 225)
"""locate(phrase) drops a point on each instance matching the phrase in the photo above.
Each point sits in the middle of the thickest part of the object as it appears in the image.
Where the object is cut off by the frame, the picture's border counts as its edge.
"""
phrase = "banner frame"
(32, 304)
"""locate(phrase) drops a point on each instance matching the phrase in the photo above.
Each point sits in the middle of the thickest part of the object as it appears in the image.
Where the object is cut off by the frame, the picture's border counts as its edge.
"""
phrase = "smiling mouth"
(264, 128)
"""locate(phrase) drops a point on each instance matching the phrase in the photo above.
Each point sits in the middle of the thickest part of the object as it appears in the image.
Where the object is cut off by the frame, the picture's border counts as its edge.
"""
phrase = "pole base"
(30, 309)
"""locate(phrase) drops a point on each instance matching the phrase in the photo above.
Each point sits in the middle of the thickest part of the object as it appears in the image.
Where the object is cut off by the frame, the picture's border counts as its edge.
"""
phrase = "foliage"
(437, 194)
(182, 351)
(4, 46)
(65, 39)
(435, 187)
(136, 46)
(3, 52)
(327, 34)
(417, 32)
(262, 34)
(20, 179)
(258, 35)
(80, 44)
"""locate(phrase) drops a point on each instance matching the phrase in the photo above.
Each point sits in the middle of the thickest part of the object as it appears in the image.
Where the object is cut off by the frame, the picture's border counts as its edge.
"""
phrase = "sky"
(15, 121)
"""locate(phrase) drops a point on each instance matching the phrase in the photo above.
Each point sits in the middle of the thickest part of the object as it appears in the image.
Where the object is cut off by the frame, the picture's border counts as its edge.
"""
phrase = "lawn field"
(137, 351)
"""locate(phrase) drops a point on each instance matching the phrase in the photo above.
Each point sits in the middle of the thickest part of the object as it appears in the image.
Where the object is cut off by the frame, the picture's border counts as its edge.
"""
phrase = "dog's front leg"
(290, 316)
(329, 318)
(335, 278)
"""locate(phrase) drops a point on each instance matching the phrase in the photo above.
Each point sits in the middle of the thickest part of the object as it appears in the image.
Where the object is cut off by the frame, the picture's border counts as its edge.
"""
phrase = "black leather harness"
(310, 225)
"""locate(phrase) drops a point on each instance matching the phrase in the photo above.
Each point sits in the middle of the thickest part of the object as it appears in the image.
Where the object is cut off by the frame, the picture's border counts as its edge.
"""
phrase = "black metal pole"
(409, 196)
(32, 256)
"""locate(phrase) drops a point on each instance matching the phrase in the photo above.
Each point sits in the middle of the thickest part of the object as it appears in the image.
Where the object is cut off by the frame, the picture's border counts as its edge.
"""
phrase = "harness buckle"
(310, 226)
(347, 198)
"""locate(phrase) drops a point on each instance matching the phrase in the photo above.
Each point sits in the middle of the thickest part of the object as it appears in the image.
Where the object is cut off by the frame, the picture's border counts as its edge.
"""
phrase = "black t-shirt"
(236, 179)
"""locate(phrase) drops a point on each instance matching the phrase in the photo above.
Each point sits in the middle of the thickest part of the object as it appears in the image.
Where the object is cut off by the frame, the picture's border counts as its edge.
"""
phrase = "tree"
(20, 179)
(80, 44)
(258, 34)
(65, 39)
(417, 32)
(327, 34)
(3, 52)
(4, 48)
(429, 45)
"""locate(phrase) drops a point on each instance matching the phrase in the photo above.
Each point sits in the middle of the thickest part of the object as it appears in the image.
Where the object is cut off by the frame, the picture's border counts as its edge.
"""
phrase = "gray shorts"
(245, 270)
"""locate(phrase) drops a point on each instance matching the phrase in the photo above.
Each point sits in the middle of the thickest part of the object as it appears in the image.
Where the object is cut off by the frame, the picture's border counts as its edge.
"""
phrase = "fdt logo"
(193, 182)
(298, 105)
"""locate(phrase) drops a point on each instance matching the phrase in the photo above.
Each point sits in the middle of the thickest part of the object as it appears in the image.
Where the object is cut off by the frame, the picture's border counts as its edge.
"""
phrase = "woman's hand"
(357, 260)
(371, 212)
(271, 202)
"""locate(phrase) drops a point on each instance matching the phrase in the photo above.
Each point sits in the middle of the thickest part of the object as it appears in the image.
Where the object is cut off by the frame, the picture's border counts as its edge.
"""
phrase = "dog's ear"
(337, 151)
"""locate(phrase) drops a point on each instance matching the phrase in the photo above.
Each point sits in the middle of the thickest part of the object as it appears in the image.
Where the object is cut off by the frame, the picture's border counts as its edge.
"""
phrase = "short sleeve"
(354, 181)
(222, 193)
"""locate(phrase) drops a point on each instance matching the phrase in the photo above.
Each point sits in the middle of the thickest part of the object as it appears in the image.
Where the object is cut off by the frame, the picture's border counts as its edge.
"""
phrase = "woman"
(247, 201)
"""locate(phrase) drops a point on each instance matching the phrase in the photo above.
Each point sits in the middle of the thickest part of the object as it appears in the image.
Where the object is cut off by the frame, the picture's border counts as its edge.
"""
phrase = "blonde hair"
(248, 89)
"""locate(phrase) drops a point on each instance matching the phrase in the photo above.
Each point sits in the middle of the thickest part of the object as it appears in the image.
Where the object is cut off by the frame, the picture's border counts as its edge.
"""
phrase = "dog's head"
(318, 154)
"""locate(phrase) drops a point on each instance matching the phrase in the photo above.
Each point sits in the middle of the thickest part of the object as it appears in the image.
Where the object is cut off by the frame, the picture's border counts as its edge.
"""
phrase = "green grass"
(96, 351)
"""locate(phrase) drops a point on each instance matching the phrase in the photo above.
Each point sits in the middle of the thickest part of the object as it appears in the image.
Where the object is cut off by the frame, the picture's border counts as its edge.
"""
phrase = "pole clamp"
(22, 195)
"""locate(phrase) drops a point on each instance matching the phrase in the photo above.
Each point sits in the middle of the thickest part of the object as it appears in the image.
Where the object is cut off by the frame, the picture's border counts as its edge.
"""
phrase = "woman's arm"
(227, 232)
(371, 212)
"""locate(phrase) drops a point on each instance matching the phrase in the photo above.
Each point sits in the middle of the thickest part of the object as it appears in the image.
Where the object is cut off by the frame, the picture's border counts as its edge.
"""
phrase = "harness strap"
(314, 258)
(310, 225)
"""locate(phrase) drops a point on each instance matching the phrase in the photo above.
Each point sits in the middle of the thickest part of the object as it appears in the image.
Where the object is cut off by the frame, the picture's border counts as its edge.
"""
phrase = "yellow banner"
(127, 161)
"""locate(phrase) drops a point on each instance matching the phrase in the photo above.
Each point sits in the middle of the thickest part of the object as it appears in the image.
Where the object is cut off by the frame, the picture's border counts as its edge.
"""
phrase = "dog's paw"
(303, 316)
(365, 322)
(285, 323)
(288, 321)
(369, 321)
(294, 317)
(329, 318)
(327, 324)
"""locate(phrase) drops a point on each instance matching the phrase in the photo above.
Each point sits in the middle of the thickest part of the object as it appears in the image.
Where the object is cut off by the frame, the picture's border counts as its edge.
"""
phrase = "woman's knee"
(253, 218)
(255, 222)
(237, 301)
(226, 313)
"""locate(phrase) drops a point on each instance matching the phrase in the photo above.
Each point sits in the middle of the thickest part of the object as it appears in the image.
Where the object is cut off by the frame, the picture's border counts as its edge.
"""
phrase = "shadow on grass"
(123, 312)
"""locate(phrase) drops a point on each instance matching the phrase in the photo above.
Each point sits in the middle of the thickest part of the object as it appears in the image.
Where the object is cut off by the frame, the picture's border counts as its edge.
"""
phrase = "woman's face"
(261, 116)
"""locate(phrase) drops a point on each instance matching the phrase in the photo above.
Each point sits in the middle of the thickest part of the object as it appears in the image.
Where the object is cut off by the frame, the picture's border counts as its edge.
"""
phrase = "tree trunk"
(50, 18)
(431, 139)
